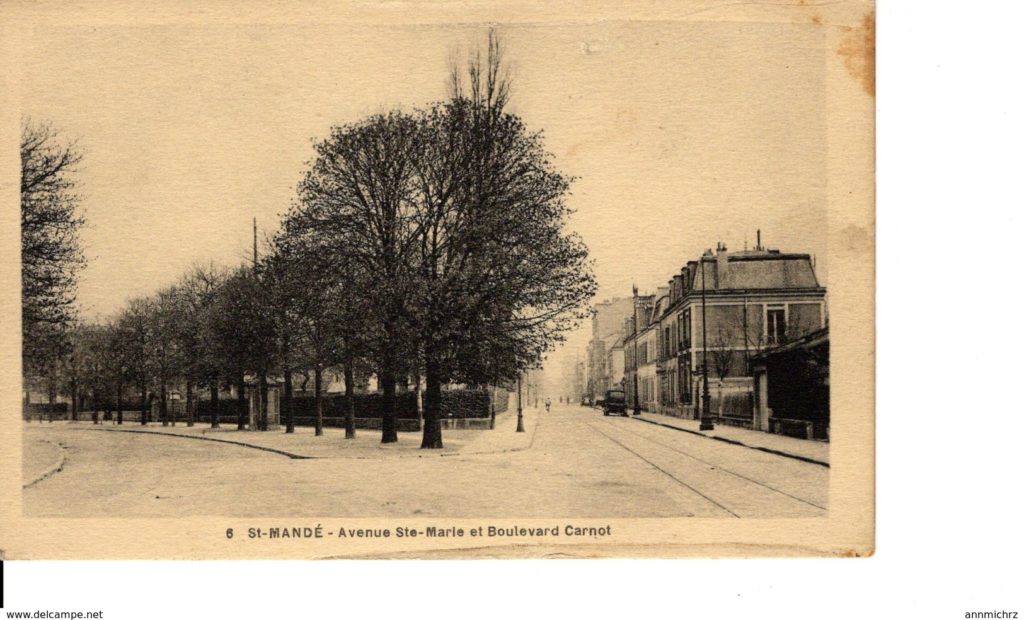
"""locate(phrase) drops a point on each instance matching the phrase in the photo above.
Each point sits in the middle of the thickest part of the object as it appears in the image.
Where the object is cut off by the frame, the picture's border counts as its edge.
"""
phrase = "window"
(686, 330)
(776, 325)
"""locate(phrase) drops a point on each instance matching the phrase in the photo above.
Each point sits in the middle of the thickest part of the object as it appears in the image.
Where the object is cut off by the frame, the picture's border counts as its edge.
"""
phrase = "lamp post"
(705, 419)
(519, 404)
(636, 359)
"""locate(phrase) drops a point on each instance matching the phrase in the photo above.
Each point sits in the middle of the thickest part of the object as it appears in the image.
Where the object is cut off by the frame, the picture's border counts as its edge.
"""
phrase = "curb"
(290, 455)
(54, 467)
(734, 442)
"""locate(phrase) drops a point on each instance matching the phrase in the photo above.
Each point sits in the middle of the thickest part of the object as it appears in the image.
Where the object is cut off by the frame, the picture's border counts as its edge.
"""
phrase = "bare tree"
(499, 280)
(51, 256)
(196, 292)
(355, 203)
(721, 353)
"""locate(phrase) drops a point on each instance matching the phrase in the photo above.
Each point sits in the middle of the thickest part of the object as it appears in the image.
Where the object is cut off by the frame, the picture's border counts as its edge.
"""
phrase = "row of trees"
(424, 246)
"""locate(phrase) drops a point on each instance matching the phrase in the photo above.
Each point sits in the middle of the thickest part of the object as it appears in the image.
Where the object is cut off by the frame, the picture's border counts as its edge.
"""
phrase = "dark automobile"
(614, 402)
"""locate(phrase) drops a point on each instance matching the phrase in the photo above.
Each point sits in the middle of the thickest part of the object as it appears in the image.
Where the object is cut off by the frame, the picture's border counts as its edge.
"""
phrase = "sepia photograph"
(383, 285)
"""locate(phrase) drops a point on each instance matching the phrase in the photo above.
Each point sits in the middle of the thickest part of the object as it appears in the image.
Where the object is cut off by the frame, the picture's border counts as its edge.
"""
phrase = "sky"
(679, 134)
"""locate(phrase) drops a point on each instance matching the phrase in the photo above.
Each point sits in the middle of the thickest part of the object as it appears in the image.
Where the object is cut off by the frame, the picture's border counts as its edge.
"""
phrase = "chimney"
(758, 248)
(722, 269)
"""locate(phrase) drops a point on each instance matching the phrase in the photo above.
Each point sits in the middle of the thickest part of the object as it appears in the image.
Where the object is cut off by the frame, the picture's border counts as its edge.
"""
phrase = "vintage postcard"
(437, 279)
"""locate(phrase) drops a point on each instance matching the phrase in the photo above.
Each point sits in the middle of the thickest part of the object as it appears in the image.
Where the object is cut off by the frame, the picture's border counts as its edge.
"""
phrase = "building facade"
(606, 333)
(752, 301)
(640, 371)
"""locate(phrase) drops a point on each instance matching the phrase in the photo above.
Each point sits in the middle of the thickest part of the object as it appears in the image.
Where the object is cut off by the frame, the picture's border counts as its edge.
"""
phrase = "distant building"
(579, 381)
(617, 365)
(640, 369)
(606, 332)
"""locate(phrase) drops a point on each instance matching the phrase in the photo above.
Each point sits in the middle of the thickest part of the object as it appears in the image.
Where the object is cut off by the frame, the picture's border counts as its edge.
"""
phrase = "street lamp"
(519, 404)
(636, 359)
(705, 418)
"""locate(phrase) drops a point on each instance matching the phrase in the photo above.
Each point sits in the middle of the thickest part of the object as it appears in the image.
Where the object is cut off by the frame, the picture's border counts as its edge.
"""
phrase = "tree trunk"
(432, 405)
(144, 406)
(120, 405)
(241, 403)
(419, 400)
(164, 421)
(388, 424)
(214, 404)
(318, 399)
(74, 400)
(494, 412)
(350, 401)
(262, 412)
(286, 403)
(190, 415)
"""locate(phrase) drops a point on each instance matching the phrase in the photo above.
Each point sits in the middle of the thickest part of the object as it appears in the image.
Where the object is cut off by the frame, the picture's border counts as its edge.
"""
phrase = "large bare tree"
(51, 255)
(500, 280)
(355, 203)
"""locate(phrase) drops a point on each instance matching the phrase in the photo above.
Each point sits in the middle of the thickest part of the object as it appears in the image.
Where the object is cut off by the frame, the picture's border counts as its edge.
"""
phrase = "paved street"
(571, 462)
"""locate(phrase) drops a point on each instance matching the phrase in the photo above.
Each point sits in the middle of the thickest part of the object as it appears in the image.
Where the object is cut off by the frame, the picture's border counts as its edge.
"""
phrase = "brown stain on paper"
(857, 50)
(856, 239)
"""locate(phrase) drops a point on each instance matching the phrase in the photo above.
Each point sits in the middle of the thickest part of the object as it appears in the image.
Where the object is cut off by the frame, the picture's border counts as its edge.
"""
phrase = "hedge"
(455, 404)
(367, 406)
(32, 409)
(462, 404)
(126, 405)
(227, 409)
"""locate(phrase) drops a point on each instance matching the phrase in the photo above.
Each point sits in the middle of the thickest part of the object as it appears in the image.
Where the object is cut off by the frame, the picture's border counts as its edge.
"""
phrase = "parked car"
(614, 402)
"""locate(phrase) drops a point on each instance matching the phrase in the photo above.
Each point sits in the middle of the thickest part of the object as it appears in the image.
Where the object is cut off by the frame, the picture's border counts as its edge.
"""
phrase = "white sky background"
(681, 134)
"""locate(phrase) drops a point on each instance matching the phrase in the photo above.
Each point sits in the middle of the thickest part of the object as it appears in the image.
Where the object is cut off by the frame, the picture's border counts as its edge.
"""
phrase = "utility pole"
(519, 404)
(636, 359)
(254, 256)
(705, 418)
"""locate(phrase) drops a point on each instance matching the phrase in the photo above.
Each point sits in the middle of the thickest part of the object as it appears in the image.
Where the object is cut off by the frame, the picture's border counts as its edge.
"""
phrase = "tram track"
(661, 469)
(749, 495)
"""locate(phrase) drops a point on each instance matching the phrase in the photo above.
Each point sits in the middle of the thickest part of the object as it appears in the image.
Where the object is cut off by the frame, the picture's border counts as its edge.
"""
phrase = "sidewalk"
(802, 449)
(303, 444)
(503, 437)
